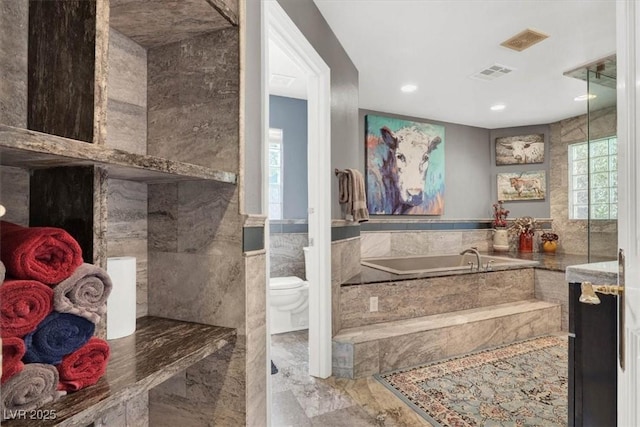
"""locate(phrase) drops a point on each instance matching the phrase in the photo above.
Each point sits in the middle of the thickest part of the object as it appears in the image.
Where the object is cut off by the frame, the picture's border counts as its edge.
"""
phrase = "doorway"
(281, 31)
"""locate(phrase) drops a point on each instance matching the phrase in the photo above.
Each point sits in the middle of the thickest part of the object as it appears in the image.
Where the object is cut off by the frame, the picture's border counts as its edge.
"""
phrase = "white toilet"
(289, 302)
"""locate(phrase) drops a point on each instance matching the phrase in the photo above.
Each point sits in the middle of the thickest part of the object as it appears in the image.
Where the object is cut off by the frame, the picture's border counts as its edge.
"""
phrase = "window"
(593, 168)
(275, 173)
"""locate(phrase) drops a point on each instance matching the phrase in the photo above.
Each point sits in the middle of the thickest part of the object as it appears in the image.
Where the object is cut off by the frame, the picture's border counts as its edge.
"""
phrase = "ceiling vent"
(524, 40)
(280, 80)
(493, 72)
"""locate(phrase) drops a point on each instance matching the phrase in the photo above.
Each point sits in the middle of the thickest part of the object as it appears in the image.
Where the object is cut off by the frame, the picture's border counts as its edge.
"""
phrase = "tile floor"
(299, 400)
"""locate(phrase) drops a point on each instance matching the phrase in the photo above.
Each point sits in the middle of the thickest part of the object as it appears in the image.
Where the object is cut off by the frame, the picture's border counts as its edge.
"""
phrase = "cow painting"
(405, 167)
(522, 186)
(524, 149)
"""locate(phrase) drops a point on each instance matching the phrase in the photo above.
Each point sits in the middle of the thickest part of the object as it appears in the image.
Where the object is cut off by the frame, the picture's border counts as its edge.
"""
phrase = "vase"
(525, 243)
(550, 246)
(500, 240)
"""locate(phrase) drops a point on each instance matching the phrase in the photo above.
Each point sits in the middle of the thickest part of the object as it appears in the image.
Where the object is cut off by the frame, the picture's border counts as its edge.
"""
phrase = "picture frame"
(405, 166)
(531, 185)
(521, 149)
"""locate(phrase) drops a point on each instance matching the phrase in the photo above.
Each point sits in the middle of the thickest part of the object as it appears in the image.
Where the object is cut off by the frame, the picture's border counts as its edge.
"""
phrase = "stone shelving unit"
(159, 349)
(35, 150)
(119, 122)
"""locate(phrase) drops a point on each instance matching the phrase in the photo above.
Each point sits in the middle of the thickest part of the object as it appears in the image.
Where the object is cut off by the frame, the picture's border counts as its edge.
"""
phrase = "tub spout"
(474, 251)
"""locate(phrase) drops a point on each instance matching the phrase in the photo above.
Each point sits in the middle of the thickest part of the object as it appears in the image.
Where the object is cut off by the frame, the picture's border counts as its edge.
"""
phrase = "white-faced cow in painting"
(410, 150)
(520, 149)
(399, 160)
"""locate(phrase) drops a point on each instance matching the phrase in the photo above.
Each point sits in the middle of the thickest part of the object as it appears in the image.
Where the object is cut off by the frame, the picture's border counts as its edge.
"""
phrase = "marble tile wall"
(197, 269)
(127, 231)
(127, 91)
(423, 297)
(211, 392)
(413, 242)
(193, 97)
(14, 32)
(551, 286)
(14, 194)
(134, 412)
(286, 256)
(410, 349)
(345, 263)
(255, 273)
(573, 233)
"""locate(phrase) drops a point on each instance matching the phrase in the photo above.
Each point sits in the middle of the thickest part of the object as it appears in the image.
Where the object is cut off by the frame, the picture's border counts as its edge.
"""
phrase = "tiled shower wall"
(573, 233)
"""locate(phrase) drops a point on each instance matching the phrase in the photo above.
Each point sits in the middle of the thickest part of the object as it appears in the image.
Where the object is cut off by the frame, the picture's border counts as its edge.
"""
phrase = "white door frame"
(628, 84)
(280, 29)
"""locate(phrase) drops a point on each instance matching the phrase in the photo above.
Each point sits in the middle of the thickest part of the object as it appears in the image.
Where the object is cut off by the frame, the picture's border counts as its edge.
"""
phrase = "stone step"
(383, 347)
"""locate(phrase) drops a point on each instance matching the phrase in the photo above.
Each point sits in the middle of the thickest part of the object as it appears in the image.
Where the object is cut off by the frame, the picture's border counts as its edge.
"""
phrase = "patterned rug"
(523, 384)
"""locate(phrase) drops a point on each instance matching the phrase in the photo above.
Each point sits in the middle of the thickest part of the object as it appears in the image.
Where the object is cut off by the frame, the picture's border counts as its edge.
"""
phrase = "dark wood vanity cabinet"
(592, 361)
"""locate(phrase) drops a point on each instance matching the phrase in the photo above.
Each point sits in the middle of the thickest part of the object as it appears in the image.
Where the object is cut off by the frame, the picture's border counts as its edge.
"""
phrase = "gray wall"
(250, 184)
(534, 208)
(467, 176)
(344, 97)
(290, 115)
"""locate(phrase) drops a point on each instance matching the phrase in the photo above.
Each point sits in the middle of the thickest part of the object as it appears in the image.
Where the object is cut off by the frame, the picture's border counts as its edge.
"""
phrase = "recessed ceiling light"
(585, 97)
(409, 88)
(498, 107)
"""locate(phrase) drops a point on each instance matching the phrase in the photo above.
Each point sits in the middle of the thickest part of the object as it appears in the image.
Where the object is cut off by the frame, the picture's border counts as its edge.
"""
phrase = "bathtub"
(438, 263)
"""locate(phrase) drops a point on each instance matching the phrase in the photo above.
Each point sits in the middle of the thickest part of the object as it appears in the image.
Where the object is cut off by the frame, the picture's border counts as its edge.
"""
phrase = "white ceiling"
(281, 67)
(438, 45)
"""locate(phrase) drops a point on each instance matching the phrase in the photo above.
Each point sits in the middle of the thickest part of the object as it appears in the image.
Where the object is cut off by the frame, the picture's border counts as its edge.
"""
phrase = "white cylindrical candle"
(121, 304)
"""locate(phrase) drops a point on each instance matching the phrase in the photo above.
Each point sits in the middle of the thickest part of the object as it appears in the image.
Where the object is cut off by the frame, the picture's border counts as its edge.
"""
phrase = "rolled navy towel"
(85, 366)
(23, 305)
(46, 254)
(12, 351)
(30, 389)
(84, 293)
(59, 334)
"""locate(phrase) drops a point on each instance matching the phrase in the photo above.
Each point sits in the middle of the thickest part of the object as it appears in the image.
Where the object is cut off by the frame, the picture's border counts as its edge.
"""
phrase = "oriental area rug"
(523, 384)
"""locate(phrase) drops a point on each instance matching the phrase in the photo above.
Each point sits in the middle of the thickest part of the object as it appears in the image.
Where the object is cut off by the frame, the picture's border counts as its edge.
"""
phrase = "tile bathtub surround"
(412, 242)
(345, 263)
(551, 286)
(371, 349)
(422, 297)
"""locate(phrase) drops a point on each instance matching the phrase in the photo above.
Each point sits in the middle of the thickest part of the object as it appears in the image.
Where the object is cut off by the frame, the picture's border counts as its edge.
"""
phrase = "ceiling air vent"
(493, 72)
(280, 80)
(524, 40)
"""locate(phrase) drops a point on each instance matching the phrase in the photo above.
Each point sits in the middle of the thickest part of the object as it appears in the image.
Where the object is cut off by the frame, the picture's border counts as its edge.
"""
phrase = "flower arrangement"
(499, 215)
(524, 225)
(549, 237)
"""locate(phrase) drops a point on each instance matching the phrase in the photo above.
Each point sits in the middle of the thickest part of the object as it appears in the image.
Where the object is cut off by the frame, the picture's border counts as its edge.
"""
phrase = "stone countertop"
(552, 262)
(598, 273)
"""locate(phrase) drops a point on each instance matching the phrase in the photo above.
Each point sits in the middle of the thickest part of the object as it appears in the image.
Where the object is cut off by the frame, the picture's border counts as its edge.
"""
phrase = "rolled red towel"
(46, 254)
(13, 349)
(23, 305)
(85, 366)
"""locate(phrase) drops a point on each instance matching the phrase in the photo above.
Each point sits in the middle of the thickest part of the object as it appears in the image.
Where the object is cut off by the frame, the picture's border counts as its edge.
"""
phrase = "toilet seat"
(284, 283)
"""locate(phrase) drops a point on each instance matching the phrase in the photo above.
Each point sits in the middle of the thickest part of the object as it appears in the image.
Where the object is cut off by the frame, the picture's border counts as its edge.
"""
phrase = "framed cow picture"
(523, 149)
(522, 186)
(405, 166)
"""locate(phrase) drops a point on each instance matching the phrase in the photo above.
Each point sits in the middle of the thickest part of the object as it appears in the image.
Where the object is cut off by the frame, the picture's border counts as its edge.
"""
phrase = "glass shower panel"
(602, 164)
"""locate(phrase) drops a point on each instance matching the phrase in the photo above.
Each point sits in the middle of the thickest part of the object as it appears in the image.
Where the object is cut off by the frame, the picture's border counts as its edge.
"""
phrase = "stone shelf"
(35, 150)
(159, 349)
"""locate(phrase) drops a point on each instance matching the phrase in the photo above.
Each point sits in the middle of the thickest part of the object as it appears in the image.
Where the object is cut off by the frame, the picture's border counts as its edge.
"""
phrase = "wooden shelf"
(35, 150)
(159, 349)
